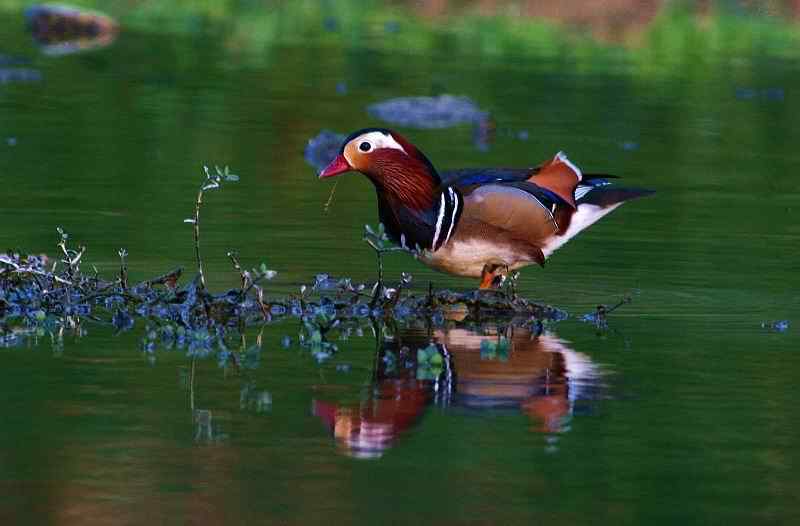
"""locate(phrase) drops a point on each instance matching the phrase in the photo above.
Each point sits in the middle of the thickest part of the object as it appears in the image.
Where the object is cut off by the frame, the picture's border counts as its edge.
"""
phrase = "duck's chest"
(468, 257)
(430, 228)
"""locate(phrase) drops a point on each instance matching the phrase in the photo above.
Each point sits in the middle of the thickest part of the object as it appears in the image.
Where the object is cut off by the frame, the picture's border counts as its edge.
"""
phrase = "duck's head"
(394, 165)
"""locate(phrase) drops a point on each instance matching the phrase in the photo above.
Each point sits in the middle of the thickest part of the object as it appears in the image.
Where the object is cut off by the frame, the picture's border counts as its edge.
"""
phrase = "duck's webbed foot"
(493, 276)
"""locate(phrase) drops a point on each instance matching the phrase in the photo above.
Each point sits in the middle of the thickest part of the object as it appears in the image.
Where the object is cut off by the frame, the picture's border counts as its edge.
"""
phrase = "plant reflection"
(499, 369)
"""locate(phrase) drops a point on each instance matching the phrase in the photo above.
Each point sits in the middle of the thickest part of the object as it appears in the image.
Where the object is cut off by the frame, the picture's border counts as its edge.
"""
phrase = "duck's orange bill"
(338, 165)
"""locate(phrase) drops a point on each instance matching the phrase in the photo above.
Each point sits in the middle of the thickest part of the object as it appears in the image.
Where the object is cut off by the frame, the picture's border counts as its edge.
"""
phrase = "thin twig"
(170, 279)
(620, 303)
(327, 206)
(123, 268)
(379, 285)
(212, 181)
(191, 385)
(196, 226)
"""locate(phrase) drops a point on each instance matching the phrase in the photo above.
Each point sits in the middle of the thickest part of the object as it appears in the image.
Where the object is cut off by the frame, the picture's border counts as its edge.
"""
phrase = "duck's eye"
(365, 146)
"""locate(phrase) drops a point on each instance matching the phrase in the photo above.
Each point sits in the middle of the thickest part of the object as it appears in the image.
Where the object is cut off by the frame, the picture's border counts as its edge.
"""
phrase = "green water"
(694, 418)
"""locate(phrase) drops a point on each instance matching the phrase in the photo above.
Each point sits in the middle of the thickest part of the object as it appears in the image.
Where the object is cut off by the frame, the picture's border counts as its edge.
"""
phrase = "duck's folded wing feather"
(465, 177)
(510, 214)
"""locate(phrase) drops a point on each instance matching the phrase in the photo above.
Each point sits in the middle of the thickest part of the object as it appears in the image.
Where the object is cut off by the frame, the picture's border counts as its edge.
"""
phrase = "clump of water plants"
(43, 296)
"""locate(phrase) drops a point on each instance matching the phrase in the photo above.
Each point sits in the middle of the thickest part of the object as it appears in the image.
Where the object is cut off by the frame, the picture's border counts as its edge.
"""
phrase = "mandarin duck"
(482, 222)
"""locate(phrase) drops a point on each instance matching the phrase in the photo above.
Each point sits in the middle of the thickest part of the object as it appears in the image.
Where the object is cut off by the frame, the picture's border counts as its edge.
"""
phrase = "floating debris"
(10, 75)
(443, 111)
(391, 27)
(330, 24)
(772, 94)
(599, 318)
(62, 29)
(629, 146)
(777, 326)
(323, 148)
(253, 399)
(13, 60)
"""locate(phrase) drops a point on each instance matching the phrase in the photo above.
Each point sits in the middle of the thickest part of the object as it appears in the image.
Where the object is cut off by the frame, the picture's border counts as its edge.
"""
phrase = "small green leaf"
(422, 356)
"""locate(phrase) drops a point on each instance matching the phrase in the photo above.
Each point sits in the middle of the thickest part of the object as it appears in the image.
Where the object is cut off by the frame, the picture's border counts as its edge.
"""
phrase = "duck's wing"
(557, 177)
(517, 216)
(515, 207)
(466, 177)
(540, 207)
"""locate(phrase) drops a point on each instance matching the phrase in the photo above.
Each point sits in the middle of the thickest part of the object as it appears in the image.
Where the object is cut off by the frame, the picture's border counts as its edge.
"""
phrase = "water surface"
(687, 414)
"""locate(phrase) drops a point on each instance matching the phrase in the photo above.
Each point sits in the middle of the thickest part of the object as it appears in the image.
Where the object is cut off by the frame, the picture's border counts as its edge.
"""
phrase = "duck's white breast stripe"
(438, 223)
(454, 196)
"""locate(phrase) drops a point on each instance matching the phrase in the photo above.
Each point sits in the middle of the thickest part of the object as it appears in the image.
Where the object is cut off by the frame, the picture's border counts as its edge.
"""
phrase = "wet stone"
(19, 75)
(13, 60)
(61, 29)
(323, 148)
(443, 111)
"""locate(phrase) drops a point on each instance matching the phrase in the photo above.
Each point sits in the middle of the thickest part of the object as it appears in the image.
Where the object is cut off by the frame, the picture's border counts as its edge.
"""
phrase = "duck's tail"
(594, 199)
(605, 195)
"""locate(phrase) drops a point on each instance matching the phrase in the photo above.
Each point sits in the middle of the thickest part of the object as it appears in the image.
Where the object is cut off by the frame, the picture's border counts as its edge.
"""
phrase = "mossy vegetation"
(44, 297)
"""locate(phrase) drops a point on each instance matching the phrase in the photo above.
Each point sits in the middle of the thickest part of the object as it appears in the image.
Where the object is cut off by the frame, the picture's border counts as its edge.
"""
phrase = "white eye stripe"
(376, 141)
(379, 140)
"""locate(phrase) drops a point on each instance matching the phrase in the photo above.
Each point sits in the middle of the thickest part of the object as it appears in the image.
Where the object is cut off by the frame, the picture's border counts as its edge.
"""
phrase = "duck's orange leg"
(487, 278)
(492, 276)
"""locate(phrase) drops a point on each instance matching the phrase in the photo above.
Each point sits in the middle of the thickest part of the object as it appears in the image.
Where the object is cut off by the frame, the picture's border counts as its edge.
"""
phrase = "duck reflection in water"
(496, 370)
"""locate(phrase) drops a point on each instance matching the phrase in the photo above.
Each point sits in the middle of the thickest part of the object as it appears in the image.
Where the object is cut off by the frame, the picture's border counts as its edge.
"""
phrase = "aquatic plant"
(41, 296)
(212, 181)
(599, 317)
